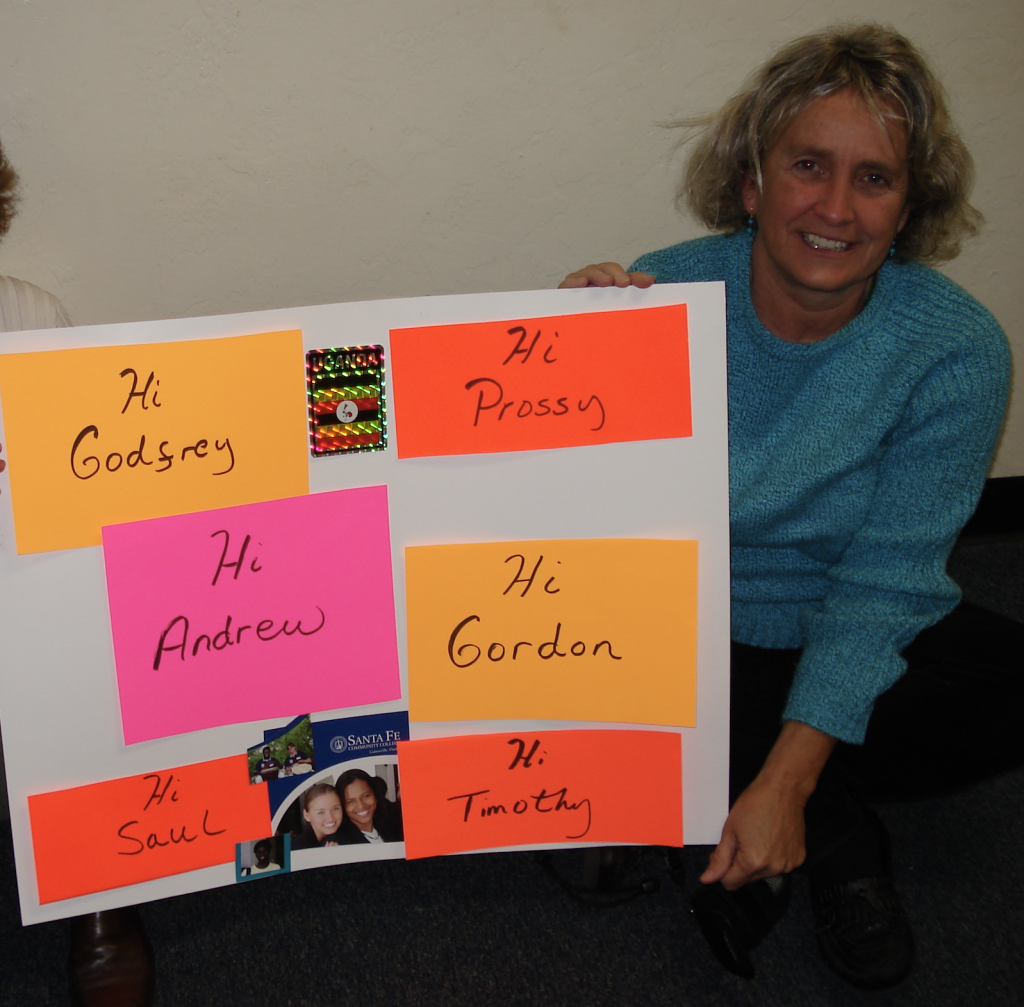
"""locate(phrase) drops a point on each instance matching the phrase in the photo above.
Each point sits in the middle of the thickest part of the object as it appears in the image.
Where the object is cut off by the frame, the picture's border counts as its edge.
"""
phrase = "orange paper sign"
(575, 629)
(541, 382)
(111, 434)
(144, 827)
(487, 790)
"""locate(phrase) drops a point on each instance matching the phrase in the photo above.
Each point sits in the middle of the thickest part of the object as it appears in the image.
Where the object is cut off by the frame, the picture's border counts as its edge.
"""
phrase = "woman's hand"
(764, 833)
(605, 274)
(763, 836)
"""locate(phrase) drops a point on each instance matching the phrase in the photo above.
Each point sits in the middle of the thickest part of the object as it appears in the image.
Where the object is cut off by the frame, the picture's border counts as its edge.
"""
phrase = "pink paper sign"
(252, 612)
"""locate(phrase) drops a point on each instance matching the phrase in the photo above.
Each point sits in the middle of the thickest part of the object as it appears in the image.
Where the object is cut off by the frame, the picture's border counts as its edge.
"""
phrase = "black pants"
(956, 717)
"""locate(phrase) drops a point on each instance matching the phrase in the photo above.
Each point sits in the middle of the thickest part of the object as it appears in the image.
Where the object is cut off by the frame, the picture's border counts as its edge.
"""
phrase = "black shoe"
(605, 872)
(863, 933)
(605, 867)
(734, 923)
(111, 961)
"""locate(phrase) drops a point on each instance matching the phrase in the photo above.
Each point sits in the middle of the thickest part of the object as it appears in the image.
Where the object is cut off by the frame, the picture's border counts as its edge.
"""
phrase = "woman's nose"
(836, 203)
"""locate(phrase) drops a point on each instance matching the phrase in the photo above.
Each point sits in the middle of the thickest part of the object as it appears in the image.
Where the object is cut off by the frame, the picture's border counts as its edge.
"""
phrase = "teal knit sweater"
(853, 464)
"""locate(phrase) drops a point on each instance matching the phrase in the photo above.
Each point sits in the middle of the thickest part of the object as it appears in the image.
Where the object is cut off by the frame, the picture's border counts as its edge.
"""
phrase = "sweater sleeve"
(891, 582)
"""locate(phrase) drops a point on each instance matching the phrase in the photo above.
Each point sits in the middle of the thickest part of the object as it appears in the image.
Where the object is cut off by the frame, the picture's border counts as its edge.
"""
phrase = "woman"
(321, 817)
(866, 393)
(369, 816)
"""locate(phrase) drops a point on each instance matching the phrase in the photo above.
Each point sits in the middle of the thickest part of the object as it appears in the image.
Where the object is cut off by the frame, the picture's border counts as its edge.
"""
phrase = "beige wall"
(186, 157)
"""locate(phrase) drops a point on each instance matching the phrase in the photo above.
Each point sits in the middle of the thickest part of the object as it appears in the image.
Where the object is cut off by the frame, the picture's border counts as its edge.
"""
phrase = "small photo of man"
(267, 767)
(262, 857)
(297, 760)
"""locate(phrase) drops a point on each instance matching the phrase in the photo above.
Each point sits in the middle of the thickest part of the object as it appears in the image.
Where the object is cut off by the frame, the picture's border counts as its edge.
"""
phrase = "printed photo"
(261, 858)
(354, 807)
(289, 753)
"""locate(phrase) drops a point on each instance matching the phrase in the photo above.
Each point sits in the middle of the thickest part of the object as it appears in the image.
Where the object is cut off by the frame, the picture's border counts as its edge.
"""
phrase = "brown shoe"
(111, 961)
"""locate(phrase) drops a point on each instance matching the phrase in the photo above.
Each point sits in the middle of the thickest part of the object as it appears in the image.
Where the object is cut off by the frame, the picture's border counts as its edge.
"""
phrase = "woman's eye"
(876, 181)
(806, 165)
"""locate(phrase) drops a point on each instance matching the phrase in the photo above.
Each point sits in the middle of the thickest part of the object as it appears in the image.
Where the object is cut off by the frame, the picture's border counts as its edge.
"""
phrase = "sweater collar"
(879, 304)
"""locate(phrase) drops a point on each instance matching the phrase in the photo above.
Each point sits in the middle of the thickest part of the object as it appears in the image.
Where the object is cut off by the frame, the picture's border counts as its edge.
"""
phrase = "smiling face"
(262, 851)
(360, 804)
(833, 197)
(324, 814)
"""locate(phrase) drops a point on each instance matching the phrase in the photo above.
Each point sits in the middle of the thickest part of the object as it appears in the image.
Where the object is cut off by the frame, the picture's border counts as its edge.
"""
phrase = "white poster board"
(59, 702)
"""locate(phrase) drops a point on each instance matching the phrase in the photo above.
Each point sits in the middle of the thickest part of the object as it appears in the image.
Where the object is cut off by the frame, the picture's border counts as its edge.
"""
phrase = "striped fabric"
(26, 306)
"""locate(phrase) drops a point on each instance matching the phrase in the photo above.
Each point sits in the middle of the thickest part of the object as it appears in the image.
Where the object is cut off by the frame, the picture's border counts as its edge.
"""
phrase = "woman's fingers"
(732, 863)
(605, 274)
(602, 274)
(742, 872)
(721, 858)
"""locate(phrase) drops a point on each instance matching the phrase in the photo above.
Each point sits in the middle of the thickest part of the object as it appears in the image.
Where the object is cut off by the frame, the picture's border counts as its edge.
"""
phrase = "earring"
(892, 248)
(752, 224)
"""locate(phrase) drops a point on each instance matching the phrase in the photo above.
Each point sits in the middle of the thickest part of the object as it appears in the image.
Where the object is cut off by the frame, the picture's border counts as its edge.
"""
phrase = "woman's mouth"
(828, 244)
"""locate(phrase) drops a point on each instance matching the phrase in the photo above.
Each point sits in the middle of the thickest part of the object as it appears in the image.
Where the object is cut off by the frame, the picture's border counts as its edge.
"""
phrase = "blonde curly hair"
(884, 69)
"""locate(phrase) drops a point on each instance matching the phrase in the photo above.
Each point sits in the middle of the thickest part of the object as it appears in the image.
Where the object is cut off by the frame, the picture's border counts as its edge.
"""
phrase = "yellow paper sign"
(111, 434)
(583, 629)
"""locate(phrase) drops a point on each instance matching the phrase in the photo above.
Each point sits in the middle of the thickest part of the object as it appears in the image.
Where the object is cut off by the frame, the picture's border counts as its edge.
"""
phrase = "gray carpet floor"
(494, 929)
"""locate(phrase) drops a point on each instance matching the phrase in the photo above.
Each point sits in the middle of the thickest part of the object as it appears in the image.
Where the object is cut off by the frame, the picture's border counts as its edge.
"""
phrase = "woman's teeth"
(817, 241)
